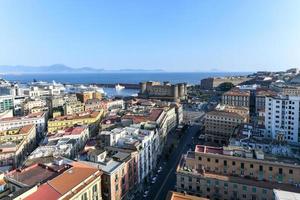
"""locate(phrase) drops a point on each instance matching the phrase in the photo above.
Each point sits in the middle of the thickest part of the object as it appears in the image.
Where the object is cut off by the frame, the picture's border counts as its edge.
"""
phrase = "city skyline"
(174, 36)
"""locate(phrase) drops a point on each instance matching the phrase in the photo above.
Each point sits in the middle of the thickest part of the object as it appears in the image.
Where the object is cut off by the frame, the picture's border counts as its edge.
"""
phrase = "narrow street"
(166, 179)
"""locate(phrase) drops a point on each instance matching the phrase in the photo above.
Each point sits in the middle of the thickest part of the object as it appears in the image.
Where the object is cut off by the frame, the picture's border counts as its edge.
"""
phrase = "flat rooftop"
(267, 157)
(181, 168)
(82, 115)
(77, 130)
(33, 115)
(36, 173)
(224, 114)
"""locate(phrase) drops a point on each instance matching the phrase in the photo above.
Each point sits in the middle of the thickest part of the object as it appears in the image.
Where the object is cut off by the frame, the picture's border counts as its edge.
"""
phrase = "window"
(270, 168)
(84, 196)
(280, 170)
(264, 191)
(233, 163)
(242, 165)
(95, 194)
(290, 171)
(208, 159)
(251, 165)
(254, 189)
(217, 161)
(261, 168)
(244, 188)
(199, 158)
(225, 162)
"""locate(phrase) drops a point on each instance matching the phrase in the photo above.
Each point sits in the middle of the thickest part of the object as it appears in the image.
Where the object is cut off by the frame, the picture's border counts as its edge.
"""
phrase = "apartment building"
(15, 144)
(73, 107)
(30, 104)
(145, 142)
(91, 118)
(109, 105)
(56, 181)
(221, 125)
(120, 171)
(243, 111)
(282, 118)
(87, 95)
(291, 91)
(235, 173)
(92, 104)
(66, 143)
(38, 119)
(6, 103)
(236, 97)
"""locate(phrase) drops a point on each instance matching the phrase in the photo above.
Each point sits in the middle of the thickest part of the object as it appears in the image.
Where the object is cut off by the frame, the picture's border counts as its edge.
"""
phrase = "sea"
(115, 78)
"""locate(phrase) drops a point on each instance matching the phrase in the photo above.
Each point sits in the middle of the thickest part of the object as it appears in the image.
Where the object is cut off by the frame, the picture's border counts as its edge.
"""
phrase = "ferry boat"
(119, 87)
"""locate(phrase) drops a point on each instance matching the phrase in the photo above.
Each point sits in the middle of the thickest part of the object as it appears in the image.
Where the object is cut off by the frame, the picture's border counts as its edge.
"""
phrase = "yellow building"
(15, 144)
(84, 118)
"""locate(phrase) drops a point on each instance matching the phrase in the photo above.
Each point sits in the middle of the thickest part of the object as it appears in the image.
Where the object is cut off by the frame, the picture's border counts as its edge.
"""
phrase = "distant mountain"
(60, 68)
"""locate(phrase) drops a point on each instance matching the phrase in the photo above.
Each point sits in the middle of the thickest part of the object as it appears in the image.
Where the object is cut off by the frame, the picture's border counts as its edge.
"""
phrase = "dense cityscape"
(225, 138)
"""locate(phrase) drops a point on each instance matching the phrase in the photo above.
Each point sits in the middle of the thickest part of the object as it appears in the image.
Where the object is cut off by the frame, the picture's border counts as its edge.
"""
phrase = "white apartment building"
(38, 119)
(282, 118)
(146, 142)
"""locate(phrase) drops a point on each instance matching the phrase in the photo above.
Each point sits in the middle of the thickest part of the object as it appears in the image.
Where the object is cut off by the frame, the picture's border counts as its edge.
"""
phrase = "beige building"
(73, 107)
(235, 173)
(86, 95)
(221, 125)
(15, 144)
(213, 82)
(236, 97)
(291, 91)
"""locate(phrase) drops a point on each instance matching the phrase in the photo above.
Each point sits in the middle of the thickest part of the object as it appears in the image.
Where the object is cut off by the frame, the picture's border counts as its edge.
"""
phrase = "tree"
(226, 86)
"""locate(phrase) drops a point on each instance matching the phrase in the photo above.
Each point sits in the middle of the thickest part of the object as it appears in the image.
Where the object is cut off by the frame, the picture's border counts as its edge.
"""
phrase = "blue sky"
(186, 35)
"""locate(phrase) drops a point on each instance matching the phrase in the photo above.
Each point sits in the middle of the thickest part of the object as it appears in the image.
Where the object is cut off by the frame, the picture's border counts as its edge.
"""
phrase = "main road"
(166, 180)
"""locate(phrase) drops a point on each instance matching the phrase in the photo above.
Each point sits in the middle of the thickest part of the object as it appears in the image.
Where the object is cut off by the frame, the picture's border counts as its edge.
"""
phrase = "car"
(146, 193)
(159, 169)
(153, 180)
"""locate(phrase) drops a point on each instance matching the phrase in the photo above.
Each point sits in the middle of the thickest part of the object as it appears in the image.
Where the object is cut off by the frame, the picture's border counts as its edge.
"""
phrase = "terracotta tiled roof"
(180, 196)
(71, 178)
(45, 192)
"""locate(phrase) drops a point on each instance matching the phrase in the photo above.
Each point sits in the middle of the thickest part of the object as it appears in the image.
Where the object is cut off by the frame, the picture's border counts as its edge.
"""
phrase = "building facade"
(221, 125)
(235, 173)
(282, 118)
(166, 91)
